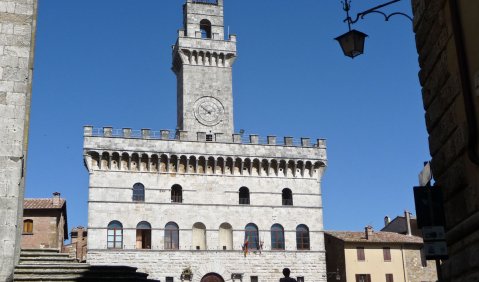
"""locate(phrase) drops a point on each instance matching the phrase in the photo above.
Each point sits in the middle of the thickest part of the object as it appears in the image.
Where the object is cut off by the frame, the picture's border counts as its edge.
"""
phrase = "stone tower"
(17, 40)
(202, 203)
(202, 62)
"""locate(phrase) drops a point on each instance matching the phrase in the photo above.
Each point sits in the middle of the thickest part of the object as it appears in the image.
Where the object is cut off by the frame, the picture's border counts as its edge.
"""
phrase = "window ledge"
(27, 233)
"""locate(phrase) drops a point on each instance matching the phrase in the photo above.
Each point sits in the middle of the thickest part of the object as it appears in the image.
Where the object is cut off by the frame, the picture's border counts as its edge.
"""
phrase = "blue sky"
(107, 63)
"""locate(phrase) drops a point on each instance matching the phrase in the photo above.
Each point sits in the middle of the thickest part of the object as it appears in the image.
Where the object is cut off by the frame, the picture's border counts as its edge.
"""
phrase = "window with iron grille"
(360, 253)
(244, 196)
(176, 194)
(169, 279)
(387, 253)
(389, 277)
(277, 237)
(300, 278)
(302, 237)
(287, 197)
(251, 236)
(115, 235)
(172, 236)
(254, 279)
(138, 192)
(209, 137)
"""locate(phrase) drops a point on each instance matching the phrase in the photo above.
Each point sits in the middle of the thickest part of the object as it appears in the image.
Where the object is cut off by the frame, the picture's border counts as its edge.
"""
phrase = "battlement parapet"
(180, 135)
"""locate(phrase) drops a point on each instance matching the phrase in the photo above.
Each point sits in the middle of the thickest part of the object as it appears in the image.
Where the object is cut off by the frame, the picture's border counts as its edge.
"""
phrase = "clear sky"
(107, 63)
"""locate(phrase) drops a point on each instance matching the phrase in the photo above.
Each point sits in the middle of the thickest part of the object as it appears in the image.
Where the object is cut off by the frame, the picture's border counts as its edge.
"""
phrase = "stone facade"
(227, 184)
(17, 34)
(447, 44)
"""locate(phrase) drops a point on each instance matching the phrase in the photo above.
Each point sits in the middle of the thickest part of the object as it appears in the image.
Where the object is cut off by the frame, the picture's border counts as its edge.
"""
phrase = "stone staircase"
(50, 265)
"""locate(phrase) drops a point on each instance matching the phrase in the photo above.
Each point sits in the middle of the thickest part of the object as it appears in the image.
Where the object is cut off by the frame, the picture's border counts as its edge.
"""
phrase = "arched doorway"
(212, 277)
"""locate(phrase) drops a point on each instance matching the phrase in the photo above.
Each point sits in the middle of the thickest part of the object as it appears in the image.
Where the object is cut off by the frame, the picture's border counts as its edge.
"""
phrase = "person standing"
(286, 273)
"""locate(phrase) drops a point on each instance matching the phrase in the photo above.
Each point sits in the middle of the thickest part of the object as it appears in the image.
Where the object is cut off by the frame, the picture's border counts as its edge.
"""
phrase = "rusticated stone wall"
(17, 34)
(447, 42)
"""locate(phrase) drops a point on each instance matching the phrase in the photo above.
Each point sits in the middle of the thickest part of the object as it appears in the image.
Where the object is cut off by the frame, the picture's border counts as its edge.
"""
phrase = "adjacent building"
(376, 256)
(45, 223)
(202, 203)
(406, 225)
(78, 245)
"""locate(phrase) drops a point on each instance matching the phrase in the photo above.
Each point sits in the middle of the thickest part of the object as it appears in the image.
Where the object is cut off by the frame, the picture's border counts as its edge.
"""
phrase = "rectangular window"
(389, 277)
(363, 277)
(387, 253)
(169, 279)
(209, 137)
(361, 256)
(300, 279)
(254, 279)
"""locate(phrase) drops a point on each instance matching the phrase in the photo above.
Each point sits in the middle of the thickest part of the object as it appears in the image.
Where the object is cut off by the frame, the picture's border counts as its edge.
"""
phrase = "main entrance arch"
(212, 277)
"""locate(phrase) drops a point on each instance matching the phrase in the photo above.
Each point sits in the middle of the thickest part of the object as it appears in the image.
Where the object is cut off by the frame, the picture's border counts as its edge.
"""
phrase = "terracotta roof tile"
(377, 237)
(42, 204)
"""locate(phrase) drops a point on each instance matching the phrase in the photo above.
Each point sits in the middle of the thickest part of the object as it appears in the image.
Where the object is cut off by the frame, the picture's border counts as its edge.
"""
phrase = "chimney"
(407, 216)
(387, 220)
(368, 230)
(56, 199)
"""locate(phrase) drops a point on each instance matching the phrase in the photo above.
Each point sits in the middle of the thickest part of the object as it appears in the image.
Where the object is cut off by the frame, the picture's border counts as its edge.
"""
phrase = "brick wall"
(445, 90)
(48, 228)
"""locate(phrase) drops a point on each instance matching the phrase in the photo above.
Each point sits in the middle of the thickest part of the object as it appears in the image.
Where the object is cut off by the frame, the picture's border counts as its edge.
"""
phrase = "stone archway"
(212, 277)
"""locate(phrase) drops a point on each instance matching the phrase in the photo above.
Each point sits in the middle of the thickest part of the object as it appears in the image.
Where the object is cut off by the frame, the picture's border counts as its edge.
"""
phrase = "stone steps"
(50, 265)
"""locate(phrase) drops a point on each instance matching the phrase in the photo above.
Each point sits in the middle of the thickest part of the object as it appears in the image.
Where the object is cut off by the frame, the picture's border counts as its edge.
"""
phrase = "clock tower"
(202, 62)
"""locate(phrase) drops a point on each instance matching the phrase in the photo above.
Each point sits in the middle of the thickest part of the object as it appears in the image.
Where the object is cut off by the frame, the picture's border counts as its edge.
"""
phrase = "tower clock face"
(209, 111)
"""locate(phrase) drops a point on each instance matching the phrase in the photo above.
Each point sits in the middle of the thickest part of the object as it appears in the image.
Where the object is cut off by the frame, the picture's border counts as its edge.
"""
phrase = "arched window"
(115, 235)
(302, 237)
(251, 236)
(226, 236)
(244, 196)
(28, 226)
(287, 197)
(172, 240)
(143, 235)
(176, 194)
(277, 237)
(199, 236)
(138, 192)
(205, 27)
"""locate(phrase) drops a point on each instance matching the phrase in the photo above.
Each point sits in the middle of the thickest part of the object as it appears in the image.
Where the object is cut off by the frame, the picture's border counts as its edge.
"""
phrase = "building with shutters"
(203, 203)
(376, 256)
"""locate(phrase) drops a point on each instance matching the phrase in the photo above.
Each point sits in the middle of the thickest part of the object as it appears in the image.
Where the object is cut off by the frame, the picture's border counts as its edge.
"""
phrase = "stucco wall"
(374, 263)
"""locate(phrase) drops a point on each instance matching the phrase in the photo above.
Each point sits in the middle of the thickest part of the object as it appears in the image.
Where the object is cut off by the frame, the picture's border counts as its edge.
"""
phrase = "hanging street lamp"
(352, 42)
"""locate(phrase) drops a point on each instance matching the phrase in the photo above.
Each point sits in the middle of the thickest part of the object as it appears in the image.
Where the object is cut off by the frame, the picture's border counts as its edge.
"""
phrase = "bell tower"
(202, 62)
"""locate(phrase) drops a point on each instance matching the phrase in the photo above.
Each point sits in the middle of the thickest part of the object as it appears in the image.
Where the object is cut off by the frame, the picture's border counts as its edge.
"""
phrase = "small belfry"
(202, 62)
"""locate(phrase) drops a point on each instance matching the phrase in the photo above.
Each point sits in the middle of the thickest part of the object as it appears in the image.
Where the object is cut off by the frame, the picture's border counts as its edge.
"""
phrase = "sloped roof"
(376, 237)
(42, 203)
